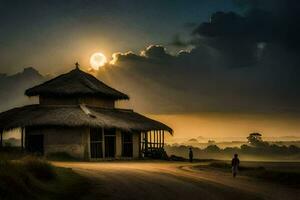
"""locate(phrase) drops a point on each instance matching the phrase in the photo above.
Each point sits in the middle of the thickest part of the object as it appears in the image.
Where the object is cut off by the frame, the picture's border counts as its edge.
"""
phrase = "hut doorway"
(35, 143)
(127, 144)
(96, 141)
(110, 143)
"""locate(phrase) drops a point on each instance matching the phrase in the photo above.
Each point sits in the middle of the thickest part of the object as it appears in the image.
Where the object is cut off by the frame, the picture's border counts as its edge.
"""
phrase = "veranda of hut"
(89, 143)
(92, 143)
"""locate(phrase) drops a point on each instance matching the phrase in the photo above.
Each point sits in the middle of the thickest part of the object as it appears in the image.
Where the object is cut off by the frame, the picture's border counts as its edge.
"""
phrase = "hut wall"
(97, 102)
(91, 101)
(118, 144)
(73, 141)
(57, 100)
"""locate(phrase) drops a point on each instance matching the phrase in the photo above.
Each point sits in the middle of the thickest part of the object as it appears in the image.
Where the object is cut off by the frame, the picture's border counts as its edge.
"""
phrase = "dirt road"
(166, 180)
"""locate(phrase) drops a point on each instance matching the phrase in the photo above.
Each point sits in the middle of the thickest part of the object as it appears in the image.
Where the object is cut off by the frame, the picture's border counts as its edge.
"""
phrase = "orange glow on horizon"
(222, 126)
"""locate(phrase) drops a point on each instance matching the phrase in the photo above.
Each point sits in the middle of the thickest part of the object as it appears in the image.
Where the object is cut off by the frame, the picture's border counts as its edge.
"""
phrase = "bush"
(14, 181)
(39, 168)
(19, 178)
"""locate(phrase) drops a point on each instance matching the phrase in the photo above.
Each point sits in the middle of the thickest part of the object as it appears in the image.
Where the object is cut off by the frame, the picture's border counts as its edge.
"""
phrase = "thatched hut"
(76, 114)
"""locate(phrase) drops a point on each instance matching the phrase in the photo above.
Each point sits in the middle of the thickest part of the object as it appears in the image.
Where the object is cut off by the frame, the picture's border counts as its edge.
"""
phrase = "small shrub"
(13, 178)
(39, 168)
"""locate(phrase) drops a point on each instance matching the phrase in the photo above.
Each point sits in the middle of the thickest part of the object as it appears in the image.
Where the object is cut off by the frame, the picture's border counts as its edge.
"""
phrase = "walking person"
(235, 162)
(191, 155)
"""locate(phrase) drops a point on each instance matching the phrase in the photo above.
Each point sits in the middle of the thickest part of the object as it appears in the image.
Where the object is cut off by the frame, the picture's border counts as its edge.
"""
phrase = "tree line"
(256, 146)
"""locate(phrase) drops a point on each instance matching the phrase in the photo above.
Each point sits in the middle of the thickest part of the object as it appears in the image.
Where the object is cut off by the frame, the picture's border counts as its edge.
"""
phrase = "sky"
(51, 34)
(209, 68)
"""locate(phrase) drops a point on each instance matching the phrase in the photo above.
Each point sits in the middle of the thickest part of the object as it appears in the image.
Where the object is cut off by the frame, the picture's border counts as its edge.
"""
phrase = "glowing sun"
(97, 60)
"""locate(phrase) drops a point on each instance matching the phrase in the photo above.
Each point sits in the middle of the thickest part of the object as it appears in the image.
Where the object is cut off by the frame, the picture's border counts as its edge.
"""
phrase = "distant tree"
(246, 148)
(211, 142)
(231, 149)
(255, 139)
(212, 148)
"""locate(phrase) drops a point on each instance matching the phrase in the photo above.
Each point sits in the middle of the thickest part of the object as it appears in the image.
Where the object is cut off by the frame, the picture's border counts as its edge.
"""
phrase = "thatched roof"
(75, 83)
(78, 116)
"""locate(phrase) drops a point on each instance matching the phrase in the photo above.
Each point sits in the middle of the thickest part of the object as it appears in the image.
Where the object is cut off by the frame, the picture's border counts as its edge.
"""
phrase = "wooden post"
(142, 141)
(160, 139)
(140, 146)
(154, 139)
(22, 139)
(163, 139)
(146, 141)
(157, 141)
(1, 138)
(103, 141)
(150, 140)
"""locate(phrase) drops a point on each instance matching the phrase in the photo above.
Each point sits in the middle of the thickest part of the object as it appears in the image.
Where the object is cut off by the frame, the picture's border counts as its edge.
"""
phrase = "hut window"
(96, 139)
(127, 144)
(110, 143)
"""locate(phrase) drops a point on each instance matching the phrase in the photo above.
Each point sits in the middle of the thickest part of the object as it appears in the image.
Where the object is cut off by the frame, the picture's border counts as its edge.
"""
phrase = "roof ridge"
(87, 83)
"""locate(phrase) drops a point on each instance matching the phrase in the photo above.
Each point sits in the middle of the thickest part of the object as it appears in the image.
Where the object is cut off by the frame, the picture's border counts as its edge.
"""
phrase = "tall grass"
(19, 178)
(40, 169)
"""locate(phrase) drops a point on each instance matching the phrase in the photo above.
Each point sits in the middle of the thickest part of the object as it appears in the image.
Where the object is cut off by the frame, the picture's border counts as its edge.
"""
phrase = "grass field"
(287, 173)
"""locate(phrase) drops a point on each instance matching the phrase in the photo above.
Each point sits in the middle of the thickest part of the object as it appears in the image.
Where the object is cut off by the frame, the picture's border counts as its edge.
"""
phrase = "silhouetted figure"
(191, 154)
(235, 162)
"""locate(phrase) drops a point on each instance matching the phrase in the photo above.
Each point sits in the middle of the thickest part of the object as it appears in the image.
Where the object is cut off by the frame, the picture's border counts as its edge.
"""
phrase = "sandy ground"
(171, 180)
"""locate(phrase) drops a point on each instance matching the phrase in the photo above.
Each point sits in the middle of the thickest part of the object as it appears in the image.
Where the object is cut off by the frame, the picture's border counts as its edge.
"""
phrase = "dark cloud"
(156, 52)
(12, 87)
(273, 21)
(241, 62)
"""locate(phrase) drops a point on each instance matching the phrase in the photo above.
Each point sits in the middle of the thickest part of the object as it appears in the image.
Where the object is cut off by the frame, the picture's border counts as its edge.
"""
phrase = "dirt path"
(165, 180)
